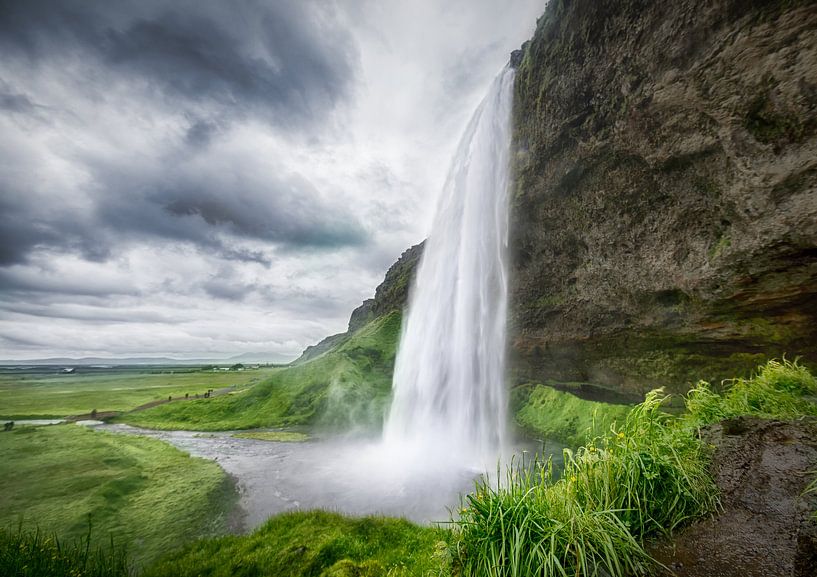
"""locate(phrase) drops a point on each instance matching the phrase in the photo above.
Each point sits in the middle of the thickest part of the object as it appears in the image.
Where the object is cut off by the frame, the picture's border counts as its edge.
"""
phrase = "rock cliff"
(664, 215)
(390, 295)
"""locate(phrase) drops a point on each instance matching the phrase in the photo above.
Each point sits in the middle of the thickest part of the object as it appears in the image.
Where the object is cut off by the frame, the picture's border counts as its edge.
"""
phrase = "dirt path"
(102, 415)
(215, 393)
(765, 528)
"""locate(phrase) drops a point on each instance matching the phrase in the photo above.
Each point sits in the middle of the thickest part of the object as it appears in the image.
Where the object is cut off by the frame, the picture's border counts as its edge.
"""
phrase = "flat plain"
(46, 392)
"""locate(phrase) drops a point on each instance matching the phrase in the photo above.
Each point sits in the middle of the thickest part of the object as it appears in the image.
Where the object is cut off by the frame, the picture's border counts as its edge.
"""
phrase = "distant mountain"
(84, 361)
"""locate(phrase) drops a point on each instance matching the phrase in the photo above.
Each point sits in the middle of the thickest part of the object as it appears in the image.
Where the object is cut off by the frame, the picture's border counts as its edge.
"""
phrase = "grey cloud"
(287, 60)
(172, 199)
(225, 287)
(35, 280)
(205, 209)
(201, 132)
(92, 314)
(15, 102)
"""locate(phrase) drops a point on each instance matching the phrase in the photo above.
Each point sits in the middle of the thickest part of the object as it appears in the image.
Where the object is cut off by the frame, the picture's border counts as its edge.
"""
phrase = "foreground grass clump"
(140, 491)
(33, 554)
(346, 386)
(644, 478)
(550, 414)
(314, 543)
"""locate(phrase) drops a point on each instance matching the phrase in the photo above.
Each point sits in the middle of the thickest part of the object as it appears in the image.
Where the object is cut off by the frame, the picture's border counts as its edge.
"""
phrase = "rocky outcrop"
(391, 295)
(664, 216)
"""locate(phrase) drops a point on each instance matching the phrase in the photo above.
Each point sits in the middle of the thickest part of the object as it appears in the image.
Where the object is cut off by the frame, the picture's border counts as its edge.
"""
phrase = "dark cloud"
(201, 132)
(30, 281)
(285, 63)
(91, 314)
(13, 102)
(287, 60)
(211, 211)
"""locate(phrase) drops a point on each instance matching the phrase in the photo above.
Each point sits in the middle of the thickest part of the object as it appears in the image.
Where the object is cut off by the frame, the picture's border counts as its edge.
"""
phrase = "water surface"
(355, 477)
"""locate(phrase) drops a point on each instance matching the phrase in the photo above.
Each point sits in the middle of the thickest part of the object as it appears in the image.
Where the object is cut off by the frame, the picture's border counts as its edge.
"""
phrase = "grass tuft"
(31, 553)
(778, 390)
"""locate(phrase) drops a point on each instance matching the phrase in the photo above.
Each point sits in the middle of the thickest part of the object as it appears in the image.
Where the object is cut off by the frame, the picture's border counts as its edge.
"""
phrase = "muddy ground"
(765, 528)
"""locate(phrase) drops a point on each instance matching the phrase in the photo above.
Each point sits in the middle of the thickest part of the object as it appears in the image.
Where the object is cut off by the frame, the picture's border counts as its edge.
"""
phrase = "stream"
(354, 477)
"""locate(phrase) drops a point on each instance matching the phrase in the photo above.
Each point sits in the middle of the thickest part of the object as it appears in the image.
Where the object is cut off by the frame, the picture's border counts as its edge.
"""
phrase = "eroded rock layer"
(664, 217)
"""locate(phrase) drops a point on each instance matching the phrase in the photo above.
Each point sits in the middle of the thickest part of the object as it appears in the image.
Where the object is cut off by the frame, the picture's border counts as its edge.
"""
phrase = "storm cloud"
(203, 177)
(287, 60)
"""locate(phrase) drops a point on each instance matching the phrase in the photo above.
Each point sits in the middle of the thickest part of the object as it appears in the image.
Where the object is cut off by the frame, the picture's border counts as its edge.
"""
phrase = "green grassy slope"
(54, 395)
(546, 413)
(143, 492)
(348, 385)
(314, 543)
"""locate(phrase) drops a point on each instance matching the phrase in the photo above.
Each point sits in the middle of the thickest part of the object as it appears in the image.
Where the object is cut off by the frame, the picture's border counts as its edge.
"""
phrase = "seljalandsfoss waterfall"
(449, 390)
(447, 421)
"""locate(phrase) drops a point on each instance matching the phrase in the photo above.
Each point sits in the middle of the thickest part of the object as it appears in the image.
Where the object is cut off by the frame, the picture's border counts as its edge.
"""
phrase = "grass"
(546, 413)
(274, 436)
(347, 386)
(34, 554)
(645, 477)
(139, 491)
(779, 390)
(315, 543)
(48, 394)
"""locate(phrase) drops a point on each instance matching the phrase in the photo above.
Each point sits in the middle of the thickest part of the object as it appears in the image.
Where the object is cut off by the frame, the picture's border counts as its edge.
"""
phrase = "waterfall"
(449, 378)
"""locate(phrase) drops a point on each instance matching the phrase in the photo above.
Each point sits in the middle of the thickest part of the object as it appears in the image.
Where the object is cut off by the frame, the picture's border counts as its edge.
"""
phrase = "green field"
(144, 493)
(50, 394)
(347, 386)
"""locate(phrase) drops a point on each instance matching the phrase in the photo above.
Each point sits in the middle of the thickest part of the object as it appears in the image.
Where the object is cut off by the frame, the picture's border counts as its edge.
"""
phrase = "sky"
(201, 179)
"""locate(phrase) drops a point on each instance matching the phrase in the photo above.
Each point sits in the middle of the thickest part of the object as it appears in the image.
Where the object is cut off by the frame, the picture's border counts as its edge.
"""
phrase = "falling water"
(447, 420)
(449, 393)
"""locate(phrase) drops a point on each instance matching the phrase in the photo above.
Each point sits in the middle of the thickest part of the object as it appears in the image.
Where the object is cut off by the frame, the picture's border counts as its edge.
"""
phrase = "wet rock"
(766, 526)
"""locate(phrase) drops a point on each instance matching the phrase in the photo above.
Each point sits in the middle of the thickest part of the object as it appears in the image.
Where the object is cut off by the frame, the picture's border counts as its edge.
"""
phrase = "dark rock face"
(392, 294)
(765, 527)
(664, 216)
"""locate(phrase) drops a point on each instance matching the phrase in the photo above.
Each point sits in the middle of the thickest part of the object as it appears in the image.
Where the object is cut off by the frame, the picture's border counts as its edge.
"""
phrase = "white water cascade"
(449, 379)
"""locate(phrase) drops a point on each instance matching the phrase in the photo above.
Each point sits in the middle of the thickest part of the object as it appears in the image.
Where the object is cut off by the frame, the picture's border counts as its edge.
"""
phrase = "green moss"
(723, 243)
(550, 414)
(549, 301)
(314, 544)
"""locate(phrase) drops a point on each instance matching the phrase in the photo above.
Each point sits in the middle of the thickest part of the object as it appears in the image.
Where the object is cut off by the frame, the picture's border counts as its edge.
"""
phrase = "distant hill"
(116, 361)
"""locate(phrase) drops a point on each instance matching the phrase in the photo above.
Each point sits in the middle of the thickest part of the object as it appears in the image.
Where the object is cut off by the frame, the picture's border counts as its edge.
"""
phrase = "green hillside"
(347, 386)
